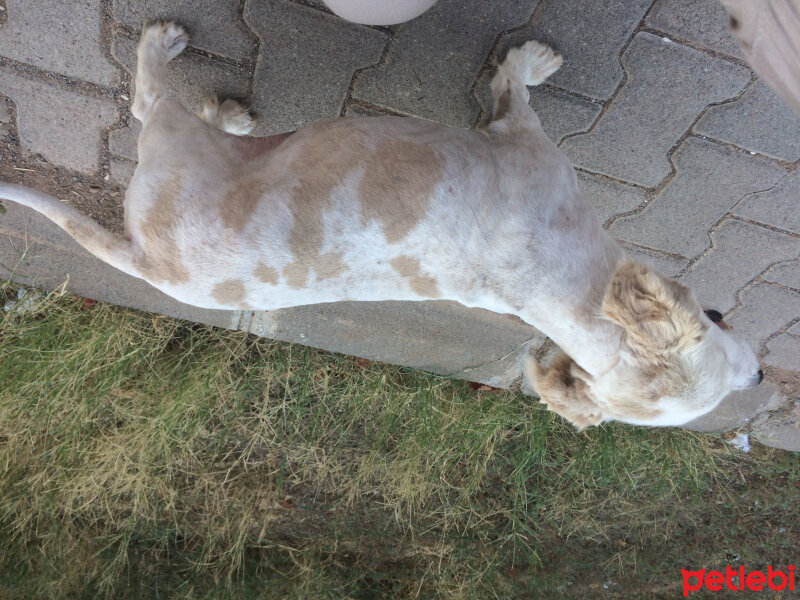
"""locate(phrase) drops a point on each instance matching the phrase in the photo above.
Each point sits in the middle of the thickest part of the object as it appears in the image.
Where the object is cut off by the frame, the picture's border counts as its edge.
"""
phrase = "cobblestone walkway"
(691, 162)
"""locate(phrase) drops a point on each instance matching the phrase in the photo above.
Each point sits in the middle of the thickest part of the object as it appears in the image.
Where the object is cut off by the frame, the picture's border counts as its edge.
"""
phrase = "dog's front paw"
(169, 36)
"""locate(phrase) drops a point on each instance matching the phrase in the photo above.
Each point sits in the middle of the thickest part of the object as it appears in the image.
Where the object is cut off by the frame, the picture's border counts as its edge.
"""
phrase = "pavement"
(691, 161)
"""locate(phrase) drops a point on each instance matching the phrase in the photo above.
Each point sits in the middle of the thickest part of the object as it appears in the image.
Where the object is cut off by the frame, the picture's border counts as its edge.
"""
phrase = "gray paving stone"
(787, 274)
(779, 207)
(562, 114)
(784, 352)
(45, 266)
(795, 329)
(215, 27)
(758, 121)
(609, 198)
(710, 180)
(123, 142)
(432, 336)
(645, 119)
(306, 62)
(740, 252)
(55, 37)
(740, 408)
(433, 60)
(61, 125)
(764, 309)
(700, 22)
(782, 429)
(121, 170)
(191, 78)
(355, 110)
(663, 263)
(590, 35)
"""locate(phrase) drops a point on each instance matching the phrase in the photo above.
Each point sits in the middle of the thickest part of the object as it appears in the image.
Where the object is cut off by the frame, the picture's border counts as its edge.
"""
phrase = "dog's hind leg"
(159, 44)
(528, 65)
(229, 115)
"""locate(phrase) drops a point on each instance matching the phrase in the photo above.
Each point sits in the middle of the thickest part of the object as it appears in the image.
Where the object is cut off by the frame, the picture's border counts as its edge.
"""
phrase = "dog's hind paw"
(229, 115)
(532, 63)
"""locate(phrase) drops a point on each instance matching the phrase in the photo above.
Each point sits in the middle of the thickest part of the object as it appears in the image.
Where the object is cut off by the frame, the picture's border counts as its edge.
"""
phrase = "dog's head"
(675, 363)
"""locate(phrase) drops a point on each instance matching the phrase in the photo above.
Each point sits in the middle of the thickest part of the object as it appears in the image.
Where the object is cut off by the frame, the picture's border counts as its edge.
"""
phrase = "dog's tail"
(115, 250)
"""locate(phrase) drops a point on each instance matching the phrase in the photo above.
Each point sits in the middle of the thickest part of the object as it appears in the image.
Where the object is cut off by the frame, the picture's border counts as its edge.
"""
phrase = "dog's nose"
(760, 376)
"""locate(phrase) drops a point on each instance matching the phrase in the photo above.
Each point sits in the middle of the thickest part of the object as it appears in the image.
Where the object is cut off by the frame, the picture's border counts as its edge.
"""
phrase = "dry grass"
(148, 457)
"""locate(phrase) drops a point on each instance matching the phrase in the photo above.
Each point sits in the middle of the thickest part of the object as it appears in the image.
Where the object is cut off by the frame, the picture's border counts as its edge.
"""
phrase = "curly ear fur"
(564, 388)
(658, 314)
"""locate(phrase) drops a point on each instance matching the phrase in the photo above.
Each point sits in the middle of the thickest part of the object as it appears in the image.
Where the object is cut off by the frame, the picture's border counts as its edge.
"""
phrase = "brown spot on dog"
(266, 274)
(398, 184)
(231, 291)
(161, 260)
(408, 267)
(296, 274)
(239, 205)
(330, 265)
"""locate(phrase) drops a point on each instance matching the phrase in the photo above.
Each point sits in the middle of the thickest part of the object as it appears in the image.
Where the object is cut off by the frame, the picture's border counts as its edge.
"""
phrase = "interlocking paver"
(57, 37)
(215, 26)
(779, 206)
(191, 78)
(700, 22)
(609, 198)
(758, 121)
(764, 309)
(306, 62)
(710, 180)
(121, 170)
(784, 352)
(58, 123)
(740, 252)
(786, 274)
(645, 119)
(663, 263)
(590, 35)
(433, 60)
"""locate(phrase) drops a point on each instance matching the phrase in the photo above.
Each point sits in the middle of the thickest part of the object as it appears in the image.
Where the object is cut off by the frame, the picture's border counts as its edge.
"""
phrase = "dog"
(392, 208)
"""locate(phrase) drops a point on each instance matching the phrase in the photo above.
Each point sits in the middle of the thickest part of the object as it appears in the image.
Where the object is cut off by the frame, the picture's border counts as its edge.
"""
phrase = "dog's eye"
(714, 315)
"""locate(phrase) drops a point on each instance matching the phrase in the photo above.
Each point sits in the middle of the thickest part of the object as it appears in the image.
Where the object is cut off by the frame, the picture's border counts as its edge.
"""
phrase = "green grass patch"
(147, 457)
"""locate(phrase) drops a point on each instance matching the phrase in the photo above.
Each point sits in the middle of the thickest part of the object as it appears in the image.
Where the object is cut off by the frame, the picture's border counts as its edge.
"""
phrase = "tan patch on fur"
(296, 274)
(161, 260)
(659, 315)
(408, 267)
(239, 205)
(563, 388)
(231, 291)
(397, 186)
(330, 265)
(266, 274)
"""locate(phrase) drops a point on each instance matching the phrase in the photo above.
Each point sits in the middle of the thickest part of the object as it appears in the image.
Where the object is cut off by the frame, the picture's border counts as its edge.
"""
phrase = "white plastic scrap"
(26, 301)
(741, 441)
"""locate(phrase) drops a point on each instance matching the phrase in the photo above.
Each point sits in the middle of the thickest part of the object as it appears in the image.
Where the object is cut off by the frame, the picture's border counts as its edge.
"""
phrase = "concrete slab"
(710, 180)
(663, 263)
(609, 197)
(778, 206)
(306, 62)
(739, 253)
(57, 37)
(703, 23)
(784, 352)
(440, 337)
(759, 121)
(432, 61)
(62, 125)
(632, 139)
(215, 27)
(782, 429)
(739, 409)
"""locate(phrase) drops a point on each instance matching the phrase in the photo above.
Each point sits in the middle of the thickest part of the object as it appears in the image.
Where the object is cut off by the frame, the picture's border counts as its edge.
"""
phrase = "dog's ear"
(565, 389)
(658, 314)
